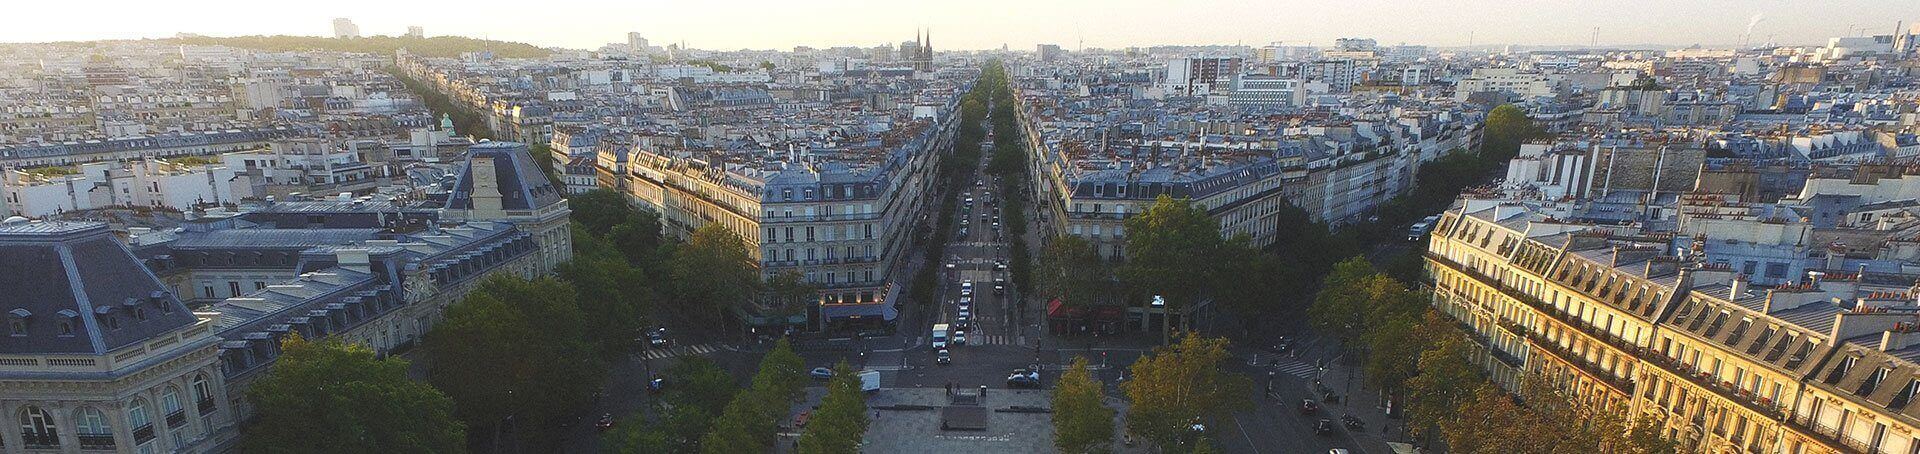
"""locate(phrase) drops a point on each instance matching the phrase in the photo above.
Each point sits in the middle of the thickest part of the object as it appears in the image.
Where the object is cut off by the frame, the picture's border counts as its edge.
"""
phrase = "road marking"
(701, 349)
(1243, 434)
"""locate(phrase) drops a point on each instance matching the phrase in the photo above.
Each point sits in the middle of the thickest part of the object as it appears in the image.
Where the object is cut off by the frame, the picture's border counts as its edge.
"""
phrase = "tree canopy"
(329, 396)
(1082, 423)
(1178, 385)
(840, 424)
(515, 347)
(714, 272)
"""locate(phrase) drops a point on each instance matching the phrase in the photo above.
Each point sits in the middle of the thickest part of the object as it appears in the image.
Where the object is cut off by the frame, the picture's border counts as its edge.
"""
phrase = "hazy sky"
(979, 24)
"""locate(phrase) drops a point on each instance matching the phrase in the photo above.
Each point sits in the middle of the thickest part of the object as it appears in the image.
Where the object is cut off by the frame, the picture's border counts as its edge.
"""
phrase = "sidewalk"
(1358, 400)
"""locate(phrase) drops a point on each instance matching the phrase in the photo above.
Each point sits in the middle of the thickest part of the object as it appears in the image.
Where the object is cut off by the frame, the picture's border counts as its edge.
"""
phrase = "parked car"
(1308, 407)
(800, 420)
(821, 373)
(942, 357)
(1323, 427)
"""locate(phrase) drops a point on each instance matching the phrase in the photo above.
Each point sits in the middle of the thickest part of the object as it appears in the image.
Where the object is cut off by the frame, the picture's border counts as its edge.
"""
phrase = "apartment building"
(1824, 364)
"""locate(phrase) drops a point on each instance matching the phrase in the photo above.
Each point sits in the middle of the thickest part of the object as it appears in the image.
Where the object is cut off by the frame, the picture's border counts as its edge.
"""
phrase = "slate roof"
(79, 275)
(522, 185)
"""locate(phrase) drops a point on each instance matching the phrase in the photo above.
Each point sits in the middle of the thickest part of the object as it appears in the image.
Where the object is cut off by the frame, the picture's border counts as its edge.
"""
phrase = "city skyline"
(986, 25)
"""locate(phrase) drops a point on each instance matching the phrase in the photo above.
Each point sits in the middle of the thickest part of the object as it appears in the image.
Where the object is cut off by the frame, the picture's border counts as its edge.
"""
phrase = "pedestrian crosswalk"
(674, 352)
(1296, 368)
(993, 339)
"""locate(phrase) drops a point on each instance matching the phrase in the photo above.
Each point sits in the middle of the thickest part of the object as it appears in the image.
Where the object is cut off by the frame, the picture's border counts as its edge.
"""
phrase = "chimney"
(1738, 286)
(354, 259)
(1902, 335)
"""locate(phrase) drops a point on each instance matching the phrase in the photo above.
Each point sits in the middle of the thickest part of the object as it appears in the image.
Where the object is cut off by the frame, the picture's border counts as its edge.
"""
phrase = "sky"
(984, 24)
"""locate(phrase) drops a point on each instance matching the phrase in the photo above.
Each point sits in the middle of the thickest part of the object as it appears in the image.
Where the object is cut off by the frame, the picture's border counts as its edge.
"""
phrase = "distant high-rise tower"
(635, 42)
(415, 31)
(344, 28)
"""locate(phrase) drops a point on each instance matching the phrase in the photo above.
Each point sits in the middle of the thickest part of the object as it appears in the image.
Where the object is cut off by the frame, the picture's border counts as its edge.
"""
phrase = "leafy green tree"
(1081, 422)
(698, 390)
(329, 396)
(1169, 249)
(619, 295)
(515, 348)
(714, 272)
(1340, 308)
(1073, 272)
(1178, 385)
(789, 294)
(840, 424)
(1235, 263)
(1507, 127)
(747, 423)
(1447, 380)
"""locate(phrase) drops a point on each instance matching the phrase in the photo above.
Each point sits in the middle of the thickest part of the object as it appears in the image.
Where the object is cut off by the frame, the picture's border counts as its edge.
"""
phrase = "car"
(964, 313)
(966, 286)
(1000, 265)
(800, 420)
(606, 422)
(657, 338)
(999, 289)
(959, 338)
(657, 385)
(963, 321)
(1323, 427)
(966, 291)
(942, 357)
(1023, 378)
(1308, 407)
(1337, 451)
(821, 373)
(963, 232)
(978, 183)
(966, 303)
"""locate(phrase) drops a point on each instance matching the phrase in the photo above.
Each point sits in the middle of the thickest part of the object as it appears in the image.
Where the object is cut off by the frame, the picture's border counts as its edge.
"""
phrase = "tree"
(789, 294)
(1447, 380)
(1073, 272)
(599, 210)
(714, 272)
(1340, 307)
(1234, 264)
(840, 424)
(1081, 422)
(617, 294)
(515, 348)
(1169, 249)
(1507, 126)
(329, 396)
(698, 392)
(1178, 385)
(747, 423)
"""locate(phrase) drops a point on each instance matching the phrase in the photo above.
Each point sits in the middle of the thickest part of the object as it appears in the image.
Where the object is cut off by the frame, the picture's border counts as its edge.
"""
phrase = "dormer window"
(1846, 365)
(1873, 381)
(17, 321)
(1905, 396)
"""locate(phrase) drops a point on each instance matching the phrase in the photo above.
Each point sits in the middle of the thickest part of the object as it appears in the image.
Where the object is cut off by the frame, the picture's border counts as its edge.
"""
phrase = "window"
(207, 291)
(203, 391)
(37, 429)
(94, 430)
(233, 288)
(17, 326)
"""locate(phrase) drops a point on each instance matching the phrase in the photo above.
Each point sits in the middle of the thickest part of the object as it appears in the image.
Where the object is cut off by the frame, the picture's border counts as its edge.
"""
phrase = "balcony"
(206, 405)
(1826, 435)
(40, 440)
(1727, 391)
(176, 417)
(143, 434)
(1621, 385)
(103, 442)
